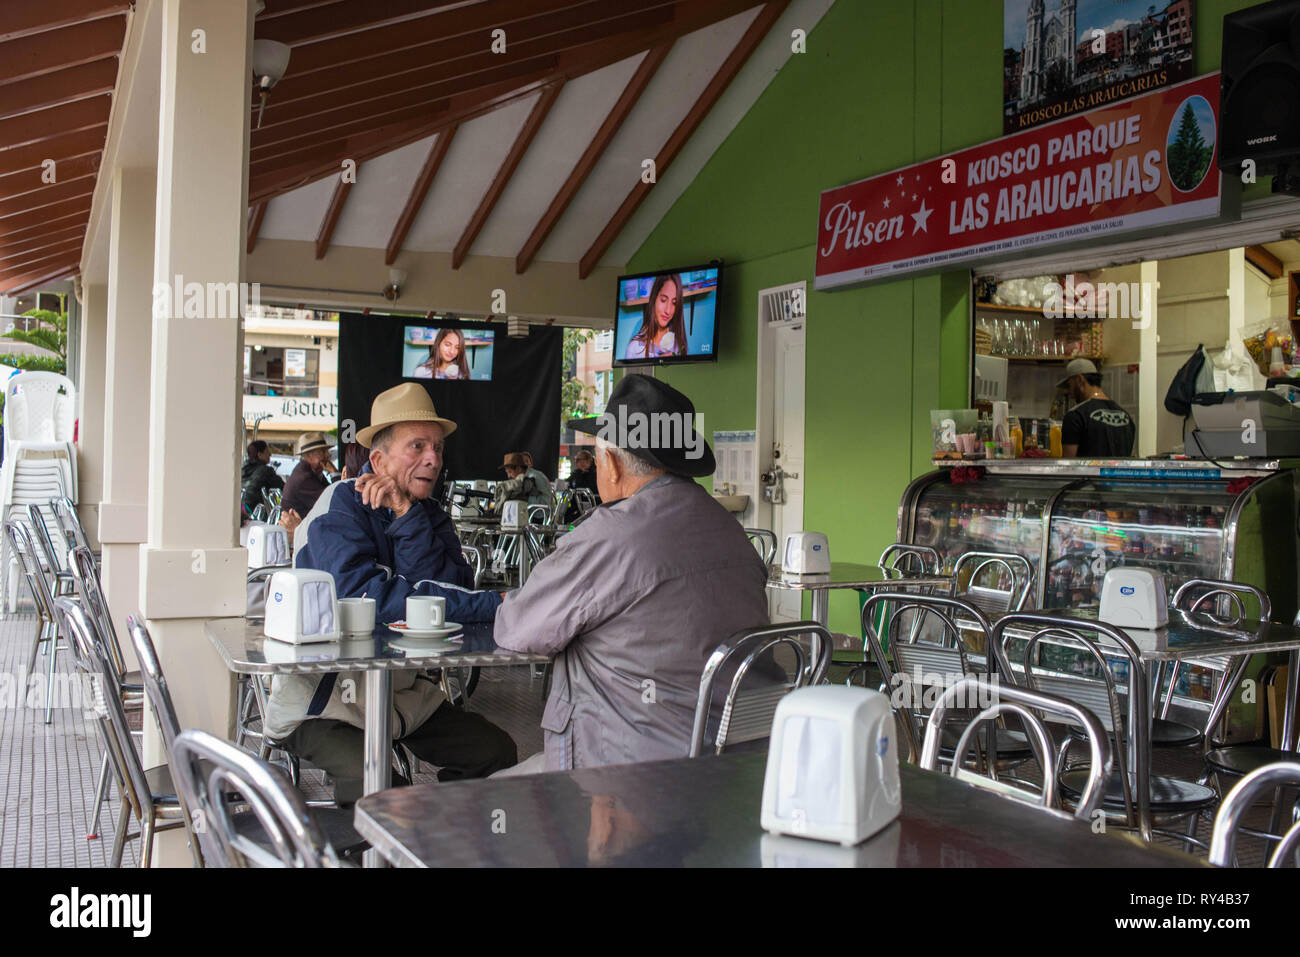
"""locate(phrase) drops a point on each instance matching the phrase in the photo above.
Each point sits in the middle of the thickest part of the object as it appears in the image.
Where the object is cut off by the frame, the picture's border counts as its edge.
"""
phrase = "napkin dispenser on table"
(514, 514)
(832, 765)
(806, 553)
(1134, 598)
(301, 606)
(268, 545)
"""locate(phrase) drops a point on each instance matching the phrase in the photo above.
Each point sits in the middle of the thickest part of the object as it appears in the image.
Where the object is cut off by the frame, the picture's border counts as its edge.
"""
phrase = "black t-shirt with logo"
(1100, 428)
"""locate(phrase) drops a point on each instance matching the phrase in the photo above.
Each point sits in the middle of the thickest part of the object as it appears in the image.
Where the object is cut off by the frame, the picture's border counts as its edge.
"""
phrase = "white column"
(123, 514)
(191, 567)
(1148, 395)
(90, 404)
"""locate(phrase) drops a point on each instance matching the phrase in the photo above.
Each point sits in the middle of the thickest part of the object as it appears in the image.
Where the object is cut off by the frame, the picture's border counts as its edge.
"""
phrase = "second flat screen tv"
(668, 316)
(431, 352)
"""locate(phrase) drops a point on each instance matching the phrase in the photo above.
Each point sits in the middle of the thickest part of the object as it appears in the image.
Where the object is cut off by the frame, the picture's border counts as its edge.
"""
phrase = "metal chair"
(85, 576)
(995, 700)
(210, 772)
(20, 545)
(1132, 794)
(1005, 569)
(764, 543)
(51, 558)
(74, 533)
(147, 793)
(747, 714)
(911, 559)
(930, 654)
(1227, 823)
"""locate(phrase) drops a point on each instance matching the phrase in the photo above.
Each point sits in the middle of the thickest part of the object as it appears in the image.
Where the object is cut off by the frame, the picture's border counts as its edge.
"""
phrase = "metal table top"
(704, 812)
(245, 650)
(1191, 636)
(850, 575)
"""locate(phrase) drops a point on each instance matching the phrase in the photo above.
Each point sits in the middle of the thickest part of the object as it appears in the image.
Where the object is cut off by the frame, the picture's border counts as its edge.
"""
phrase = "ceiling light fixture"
(270, 60)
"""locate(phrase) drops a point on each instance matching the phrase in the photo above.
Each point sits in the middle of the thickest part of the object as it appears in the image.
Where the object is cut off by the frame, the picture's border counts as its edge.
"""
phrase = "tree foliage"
(575, 396)
(1189, 154)
(51, 333)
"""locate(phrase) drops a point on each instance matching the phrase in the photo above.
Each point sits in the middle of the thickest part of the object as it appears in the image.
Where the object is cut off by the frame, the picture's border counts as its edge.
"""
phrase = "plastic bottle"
(1017, 439)
(1054, 434)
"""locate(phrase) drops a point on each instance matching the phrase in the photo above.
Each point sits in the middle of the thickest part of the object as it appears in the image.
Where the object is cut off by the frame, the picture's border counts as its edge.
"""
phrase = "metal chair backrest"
(994, 700)
(1282, 774)
(1194, 593)
(747, 714)
(912, 559)
(20, 543)
(155, 683)
(74, 533)
(764, 543)
(208, 772)
(108, 702)
(1012, 578)
(1129, 727)
(51, 557)
(479, 558)
(85, 575)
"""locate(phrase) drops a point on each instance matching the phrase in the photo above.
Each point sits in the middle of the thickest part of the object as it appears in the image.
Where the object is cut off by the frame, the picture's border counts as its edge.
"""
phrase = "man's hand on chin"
(380, 491)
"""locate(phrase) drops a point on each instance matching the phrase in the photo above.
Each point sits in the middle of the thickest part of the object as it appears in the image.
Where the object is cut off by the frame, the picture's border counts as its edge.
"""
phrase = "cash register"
(1259, 425)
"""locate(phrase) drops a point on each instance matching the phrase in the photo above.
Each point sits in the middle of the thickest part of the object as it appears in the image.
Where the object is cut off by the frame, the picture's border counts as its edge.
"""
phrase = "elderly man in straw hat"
(307, 480)
(382, 536)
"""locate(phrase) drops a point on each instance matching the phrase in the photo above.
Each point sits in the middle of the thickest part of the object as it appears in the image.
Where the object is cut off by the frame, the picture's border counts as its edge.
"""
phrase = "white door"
(787, 449)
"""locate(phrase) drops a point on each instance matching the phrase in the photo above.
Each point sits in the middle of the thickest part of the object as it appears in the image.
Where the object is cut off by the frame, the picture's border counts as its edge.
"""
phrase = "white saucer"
(446, 631)
(424, 646)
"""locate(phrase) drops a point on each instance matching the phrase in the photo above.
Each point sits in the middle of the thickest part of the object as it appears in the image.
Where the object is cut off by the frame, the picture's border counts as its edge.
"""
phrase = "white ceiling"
(479, 146)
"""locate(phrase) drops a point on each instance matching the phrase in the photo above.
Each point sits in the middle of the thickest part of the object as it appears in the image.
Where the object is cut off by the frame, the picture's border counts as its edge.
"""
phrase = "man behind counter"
(1095, 427)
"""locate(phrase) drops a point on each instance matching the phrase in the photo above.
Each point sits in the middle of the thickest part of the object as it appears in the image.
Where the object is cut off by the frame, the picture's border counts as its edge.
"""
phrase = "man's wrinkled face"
(513, 471)
(413, 458)
(317, 458)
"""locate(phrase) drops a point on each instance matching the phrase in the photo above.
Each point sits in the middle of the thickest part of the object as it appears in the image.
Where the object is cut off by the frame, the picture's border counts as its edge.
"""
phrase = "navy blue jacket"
(352, 541)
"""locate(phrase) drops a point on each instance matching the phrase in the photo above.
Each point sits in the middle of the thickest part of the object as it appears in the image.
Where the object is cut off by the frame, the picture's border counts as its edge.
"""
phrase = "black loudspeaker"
(1260, 93)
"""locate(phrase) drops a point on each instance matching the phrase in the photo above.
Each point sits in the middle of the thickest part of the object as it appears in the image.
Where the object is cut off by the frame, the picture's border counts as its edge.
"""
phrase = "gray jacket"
(632, 603)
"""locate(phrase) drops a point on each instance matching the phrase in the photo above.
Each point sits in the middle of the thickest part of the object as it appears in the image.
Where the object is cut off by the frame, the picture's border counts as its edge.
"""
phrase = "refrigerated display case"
(1073, 520)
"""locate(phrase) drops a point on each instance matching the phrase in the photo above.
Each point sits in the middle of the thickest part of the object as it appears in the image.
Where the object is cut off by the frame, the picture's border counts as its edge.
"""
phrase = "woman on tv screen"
(446, 358)
(662, 332)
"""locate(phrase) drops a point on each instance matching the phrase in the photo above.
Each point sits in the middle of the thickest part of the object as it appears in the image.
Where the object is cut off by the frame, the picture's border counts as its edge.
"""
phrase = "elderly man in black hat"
(307, 480)
(634, 600)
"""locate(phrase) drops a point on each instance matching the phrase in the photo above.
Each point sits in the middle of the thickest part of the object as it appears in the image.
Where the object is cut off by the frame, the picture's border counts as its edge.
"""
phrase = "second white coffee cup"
(357, 616)
(425, 611)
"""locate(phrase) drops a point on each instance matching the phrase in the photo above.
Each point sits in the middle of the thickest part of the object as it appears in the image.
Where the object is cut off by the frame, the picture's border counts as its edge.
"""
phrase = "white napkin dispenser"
(514, 514)
(301, 606)
(806, 553)
(1134, 598)
(268, 545)
(832, 765)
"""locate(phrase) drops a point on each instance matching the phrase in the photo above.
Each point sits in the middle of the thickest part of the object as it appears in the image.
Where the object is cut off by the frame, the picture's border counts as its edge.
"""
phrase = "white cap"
(1077, 367)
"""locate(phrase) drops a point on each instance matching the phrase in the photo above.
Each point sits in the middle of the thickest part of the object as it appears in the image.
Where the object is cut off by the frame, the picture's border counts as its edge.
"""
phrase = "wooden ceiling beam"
(74, 45)
(49, 196)
(55, 89)
(739, 55)
(1265, 261)
(15, 227)
(255, 217)
(48, 124)
(13, 285)
(30, 19)
(42, 240)
(419, 191)
(322, 22)
(32, 179)
(536, 117)
(28, 159)
(78, 218)
(332, 214)
(15, 262)
(41, 266)
(455, 56)
(645, 72)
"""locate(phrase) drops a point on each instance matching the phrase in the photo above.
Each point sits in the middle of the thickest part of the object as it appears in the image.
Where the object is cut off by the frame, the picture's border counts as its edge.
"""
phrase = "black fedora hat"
(655, 422)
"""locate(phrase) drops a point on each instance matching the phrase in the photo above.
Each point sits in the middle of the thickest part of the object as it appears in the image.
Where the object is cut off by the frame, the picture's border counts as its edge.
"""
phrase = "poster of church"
(1064, 56)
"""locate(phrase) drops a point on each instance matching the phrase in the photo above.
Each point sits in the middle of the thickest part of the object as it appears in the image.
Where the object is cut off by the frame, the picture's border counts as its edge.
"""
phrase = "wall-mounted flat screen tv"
(668, 316)
(456, 354)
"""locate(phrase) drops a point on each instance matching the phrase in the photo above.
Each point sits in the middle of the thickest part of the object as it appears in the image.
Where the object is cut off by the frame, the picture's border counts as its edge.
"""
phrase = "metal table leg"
(821, 606)
(377, 764)
(1288, 741)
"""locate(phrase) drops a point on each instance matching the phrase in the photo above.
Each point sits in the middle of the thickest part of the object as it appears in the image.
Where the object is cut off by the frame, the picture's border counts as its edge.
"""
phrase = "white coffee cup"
(356, 616)
(425, 612)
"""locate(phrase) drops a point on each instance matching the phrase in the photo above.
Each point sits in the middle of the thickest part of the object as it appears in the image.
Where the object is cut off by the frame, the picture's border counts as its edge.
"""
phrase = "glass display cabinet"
(1073, 520)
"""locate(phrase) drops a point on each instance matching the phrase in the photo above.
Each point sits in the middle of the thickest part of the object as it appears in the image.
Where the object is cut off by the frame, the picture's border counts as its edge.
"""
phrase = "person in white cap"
(1095, 427)
(384, 537)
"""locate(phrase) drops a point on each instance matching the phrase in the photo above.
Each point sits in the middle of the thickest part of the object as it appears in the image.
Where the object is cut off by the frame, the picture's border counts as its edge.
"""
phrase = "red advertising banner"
(1138, 164)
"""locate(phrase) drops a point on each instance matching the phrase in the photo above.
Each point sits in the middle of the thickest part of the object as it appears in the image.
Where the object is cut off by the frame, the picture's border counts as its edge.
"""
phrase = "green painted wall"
(882, 85)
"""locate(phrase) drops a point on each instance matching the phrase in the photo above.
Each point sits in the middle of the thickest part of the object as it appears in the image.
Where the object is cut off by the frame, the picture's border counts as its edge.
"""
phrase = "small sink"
(733, 503)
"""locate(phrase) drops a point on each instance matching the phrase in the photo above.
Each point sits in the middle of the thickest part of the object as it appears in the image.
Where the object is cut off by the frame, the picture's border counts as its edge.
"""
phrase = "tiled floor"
(48, 773)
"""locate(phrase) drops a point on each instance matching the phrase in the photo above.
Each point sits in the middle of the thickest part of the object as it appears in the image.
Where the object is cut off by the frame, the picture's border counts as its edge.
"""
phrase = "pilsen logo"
(851, 226)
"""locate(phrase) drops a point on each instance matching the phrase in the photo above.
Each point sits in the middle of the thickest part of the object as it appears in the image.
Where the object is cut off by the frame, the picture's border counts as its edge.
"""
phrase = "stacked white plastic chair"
(40, 459)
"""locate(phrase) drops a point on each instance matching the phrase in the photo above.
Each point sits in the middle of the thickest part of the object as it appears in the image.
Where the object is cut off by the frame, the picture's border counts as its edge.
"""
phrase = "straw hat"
(310, 442)
(408, 402)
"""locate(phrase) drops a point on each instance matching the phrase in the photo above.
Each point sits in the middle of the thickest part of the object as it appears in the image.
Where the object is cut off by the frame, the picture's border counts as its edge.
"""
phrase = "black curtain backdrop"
(518, 411)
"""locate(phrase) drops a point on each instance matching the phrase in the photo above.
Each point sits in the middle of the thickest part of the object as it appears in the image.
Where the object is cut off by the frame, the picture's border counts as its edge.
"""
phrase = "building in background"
(290, 374)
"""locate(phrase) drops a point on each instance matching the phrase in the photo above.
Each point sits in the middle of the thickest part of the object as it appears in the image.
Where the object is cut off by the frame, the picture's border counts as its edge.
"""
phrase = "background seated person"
(522, 482)
(383, 537)
(635, 599)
